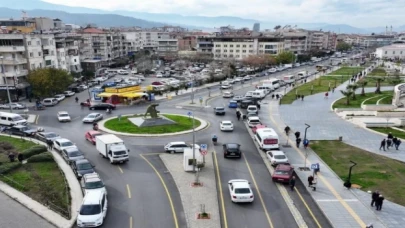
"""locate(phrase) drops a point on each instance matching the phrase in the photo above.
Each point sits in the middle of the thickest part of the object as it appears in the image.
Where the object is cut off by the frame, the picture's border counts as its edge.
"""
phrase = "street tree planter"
(204, 215)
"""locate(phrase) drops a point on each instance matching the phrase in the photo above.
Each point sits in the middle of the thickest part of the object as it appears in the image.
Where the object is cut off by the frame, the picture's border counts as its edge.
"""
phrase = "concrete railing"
(378, 107)
(347, 109)
(391, 114)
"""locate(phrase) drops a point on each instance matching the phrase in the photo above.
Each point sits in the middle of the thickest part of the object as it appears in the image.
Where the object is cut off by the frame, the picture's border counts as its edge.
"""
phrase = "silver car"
(72, 154)
(13, 106)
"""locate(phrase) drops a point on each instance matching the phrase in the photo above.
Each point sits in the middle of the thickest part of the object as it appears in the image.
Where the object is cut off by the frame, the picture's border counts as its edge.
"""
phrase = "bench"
(379, 124)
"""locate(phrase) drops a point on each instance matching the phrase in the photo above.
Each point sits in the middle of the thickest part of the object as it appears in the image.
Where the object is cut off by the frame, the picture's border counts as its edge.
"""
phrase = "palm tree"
(353, 88)
(348, 93)
(378, 85)
(362, 84)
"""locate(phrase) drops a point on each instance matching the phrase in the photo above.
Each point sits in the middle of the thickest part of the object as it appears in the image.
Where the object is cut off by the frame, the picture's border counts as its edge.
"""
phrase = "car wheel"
(172, 151)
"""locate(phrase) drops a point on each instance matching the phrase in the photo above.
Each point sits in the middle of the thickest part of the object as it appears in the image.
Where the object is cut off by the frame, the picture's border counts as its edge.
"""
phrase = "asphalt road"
(137, 196)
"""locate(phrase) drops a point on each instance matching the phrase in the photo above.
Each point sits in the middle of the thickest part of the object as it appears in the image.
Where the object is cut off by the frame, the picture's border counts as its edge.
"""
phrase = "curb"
(204, 125)
(47, 214)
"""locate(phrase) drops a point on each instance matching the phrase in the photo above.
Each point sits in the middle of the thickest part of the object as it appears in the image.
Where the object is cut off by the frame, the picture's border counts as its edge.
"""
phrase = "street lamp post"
(5, 82)
(194, 161)
(305, 138)
(348, 183)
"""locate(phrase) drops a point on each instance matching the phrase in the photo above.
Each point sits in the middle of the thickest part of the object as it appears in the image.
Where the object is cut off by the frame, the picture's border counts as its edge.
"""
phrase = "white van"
(260, 94)
(274, 83)
(252, 109)
(50, 101)
(11, 119)
(302, 75)
(267, 89)
(122, 72)
(249, 94)
(93, 209)
(289, 79)
(267, 139)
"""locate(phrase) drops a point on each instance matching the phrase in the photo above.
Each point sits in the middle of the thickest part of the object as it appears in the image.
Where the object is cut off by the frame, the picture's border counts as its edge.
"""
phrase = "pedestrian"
(390, 136)
(326, 95)
(397, 144)
(277, 96)
(379, 202)
(292, 183)
(382, 145)
(333, 89)
(389, 143)
(20, 157)
(394, 141)
(305, 143)
(238, 115)
(302, 97)
(310, 180)
(374, 197)
(298, 141)
(297, 134)
(258, 106)
(11, 156)
(272, 96)
(50, 144)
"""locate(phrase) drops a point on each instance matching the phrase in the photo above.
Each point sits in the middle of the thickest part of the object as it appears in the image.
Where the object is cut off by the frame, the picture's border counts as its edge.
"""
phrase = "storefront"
(123, 95)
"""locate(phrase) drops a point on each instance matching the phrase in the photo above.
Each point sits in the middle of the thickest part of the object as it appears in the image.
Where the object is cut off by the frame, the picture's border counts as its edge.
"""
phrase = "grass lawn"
(341, 103)
(388, 81)
(386, 100)
(183, 124)
(378, 72)
(385, 130)
(320, 85)
(373, 172)
(18, 144)
(349, 71)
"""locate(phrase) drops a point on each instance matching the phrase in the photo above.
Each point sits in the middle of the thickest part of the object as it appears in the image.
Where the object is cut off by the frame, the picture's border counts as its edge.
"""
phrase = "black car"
(46, 136)
(81, 167)
(21, 130)
(102, 106)
(232, 150)
(219, 111)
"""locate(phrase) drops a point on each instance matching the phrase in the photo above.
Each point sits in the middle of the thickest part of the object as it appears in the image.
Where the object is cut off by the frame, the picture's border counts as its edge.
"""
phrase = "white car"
(226, 125)
(178, 147)
(240, 191)
(69, 93)
(93, 209)
(63, 116)
(227, 95)
(277, 157)
(92, 182)
(13, 106)
(238, 79)
(92, 118)
(246, 78)
(61, 144)
(159, 75)
(60, 97)
(100, 79)
(83, 87)
(272, 70)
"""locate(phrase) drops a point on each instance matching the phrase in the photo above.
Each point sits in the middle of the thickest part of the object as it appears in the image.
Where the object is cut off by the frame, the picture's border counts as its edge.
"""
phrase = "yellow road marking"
(176, 224)
(129, 191)
(220, 191)
(130, 222)
(309, 209)
(258, 192)
(338, 197)
(120, 169)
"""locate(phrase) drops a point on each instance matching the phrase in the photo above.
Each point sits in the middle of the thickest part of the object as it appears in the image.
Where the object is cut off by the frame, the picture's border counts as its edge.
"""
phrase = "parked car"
(253, 121)
(219, 111)
(232, 150)
(71, 154)
(13, 106)
(238, 98)
(92, 182)
(81, 167)
(233, 104)
(178, 147)
(283, 173)
(277, 157)
(93, 210)
(63, 116)
(227, 94)
(240, 191)
(60, 97)
(45, 136)
(93, 118)
(50, 101)
(91, 136)
(226, 125)
(102, 106)
(61, 144)
(69, 93)
(21, 130)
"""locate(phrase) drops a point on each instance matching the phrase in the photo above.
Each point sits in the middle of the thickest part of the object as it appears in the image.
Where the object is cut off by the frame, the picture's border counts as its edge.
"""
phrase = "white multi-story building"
(49, 50)
(160, 42)
(13, 59)
(67, 51)
(132, 41)
(395, 51)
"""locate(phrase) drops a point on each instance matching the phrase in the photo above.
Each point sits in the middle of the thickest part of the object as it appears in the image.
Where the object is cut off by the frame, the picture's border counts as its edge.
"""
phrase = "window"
(230, 50)
(385, 52)
(261, 46)
(393, 52)
(217, 56)
(39, 53)
(217, 45)
(244, 46)
(231, 45)
(29, 43)
(31, 54)
(237, 51)
(40, 65)
(225, 50)
(261, 51)
(33, 66)
(24, 67)
(237, 45)
(52, 53)
(269, 46)
(225, 45)
(103, 202)
(244, 51)
(230, 56)
(401, 52)
(217, 50)
(237, 56)
(250, 51)
(251, 46)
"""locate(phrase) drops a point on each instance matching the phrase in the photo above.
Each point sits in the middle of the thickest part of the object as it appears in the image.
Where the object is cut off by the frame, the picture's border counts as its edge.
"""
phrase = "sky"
(360, 13)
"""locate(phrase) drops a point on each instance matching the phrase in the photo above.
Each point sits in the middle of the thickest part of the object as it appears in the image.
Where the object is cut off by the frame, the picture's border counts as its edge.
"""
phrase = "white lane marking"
(336, 200)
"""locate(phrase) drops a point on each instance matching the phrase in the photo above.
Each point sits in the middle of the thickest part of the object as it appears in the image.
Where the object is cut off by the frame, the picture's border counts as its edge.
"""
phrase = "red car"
(254, 129)
(91, 136)
(283, 173)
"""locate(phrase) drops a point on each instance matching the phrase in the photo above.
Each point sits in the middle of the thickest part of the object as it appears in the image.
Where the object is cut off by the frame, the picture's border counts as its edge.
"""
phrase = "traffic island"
(170, 124)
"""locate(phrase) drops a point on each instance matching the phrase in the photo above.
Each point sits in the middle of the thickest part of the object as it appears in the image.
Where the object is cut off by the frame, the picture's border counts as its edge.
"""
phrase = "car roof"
(240, 183)
(226, 121)
(47, 133)
(219, 107)
(63, 140)
(177, 143)
(63, 112)
(71, 149)
(284, 167)
(93, 113)
(18, 126)
(277, 152)
(253, 118)
(232, 145)
(252, 106)
(91, 177)
(82, 161)
(92, 197)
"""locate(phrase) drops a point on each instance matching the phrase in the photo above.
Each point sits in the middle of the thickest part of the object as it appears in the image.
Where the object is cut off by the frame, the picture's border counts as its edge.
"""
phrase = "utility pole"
(194, 161)
(5, 82)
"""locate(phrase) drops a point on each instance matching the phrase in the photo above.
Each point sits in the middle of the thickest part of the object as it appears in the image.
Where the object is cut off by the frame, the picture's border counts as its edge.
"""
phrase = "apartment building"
(162, 43)
(132, 41)
(67, 51)
(18, 25)
(94, 46)
(187, 43)
(296, 42)
(377, 40)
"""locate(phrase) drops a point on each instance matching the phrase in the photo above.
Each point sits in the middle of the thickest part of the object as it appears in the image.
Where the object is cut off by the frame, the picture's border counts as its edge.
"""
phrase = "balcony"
(12, 48)
(18, 73)
(15, 61)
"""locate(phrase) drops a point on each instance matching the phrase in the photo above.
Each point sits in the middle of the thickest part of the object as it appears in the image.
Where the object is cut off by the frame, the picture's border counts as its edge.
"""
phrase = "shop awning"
(133, 95)
(106, 94)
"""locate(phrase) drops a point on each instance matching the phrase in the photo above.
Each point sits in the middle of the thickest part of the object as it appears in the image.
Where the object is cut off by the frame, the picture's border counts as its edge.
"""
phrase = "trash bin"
(340, 138)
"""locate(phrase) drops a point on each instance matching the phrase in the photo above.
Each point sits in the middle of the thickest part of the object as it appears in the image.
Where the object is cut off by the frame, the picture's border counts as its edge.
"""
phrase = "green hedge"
(8, 167)
(34, 151)
(44, 157)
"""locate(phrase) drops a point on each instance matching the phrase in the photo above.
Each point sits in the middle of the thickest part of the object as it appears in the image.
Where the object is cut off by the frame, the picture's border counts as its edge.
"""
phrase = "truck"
(111, 147)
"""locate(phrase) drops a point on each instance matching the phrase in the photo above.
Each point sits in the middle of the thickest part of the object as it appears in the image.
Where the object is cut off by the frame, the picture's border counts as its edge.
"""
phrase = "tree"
(285, 57)
(347, 94)
(47, 82)
(303, 58)
(353, 88)
(378, 85)
(277, 27)
(87, 75)
(362, 84)
(343, 46)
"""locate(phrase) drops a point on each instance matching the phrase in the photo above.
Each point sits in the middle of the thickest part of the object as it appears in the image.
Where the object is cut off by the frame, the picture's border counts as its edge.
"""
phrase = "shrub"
(44, 157)
(6, 146)
(34, 151)
(8, 167)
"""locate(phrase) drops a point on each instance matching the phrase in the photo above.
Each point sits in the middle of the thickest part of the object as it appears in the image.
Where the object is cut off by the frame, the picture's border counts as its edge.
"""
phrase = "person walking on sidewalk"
(298, 141)
(292, 183)
(258, 105)
(302, 97)
(374, 197)
(389, 143)
(382, 145)
(379, 202)
(397, 144)
(238, 115)
(50, 144)
(310, 180)
(394, 142)
(305, 143)
(390, 136)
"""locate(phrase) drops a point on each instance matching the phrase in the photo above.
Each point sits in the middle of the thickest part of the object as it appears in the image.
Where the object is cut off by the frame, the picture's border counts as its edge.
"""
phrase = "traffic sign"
(203, 149)
(189, 113)
(314, 166)
(204, 152)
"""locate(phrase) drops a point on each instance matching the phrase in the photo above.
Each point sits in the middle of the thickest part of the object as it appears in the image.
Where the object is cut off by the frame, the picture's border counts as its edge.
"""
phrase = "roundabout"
(125, 125)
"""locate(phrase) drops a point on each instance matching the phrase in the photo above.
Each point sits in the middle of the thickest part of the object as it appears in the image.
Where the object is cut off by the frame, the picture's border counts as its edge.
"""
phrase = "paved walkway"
(326, 125)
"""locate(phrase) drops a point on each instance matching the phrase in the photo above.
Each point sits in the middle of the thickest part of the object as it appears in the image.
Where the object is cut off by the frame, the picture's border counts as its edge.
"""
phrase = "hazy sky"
(362, 13)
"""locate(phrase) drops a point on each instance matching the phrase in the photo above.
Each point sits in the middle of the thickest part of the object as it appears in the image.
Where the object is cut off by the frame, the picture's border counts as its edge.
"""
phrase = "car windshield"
(242, 190)
(25, 128)
(51, 135)
(220, 109)
(17, 118)
(75, 154)
(279, 156)
(64, 115)
(227, 124)
(92, 209)
(84, 166)
(281, 172)
(64, 144)
(91, 116)
(94, 185)
(120, 152)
